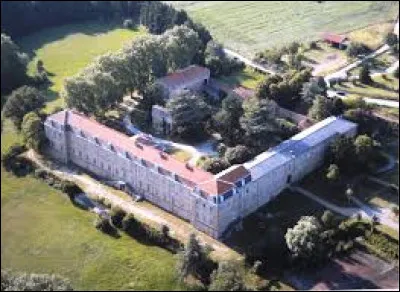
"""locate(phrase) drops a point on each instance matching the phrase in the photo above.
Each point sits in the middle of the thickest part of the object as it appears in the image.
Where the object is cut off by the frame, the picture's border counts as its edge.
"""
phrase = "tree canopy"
(189, 113)
(13, 65)
(228, 277)
(21, 101)
(32, 131)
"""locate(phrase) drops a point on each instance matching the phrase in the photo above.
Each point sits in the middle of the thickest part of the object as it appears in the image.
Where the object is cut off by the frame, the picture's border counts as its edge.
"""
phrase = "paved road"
(377, 101)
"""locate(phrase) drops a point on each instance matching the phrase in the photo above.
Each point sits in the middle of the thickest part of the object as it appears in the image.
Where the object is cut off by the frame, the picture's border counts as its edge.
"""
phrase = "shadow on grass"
(35, 41)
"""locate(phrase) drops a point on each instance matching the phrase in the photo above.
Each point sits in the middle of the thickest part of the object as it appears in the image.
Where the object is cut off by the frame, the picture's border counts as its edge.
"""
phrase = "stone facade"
(212, 203)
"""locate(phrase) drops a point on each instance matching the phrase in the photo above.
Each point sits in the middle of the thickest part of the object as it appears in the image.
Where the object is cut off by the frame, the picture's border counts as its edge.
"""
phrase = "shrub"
(104, 225)
(130, 225)
(238, 154)
(9, 156)
(385, 244)
(70, 188)
(40, 173)
(215, 165)
(117, 215)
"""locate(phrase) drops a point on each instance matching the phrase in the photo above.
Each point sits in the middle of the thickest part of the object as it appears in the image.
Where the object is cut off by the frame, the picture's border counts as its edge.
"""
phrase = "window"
(94, 161)
(80, 153)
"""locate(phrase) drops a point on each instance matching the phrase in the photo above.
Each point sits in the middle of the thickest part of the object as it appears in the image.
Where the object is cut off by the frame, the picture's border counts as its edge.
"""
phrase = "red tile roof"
(190, 176)
(181, 77)
(334, 38)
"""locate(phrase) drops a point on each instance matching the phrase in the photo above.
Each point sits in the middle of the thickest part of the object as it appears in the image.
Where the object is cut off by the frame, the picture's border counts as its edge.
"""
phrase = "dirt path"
(144, 211)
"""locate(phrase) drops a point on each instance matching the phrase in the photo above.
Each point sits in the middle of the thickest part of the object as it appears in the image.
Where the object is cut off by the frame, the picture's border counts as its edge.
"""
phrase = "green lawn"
(384, 88)
(251, 26)
(247, 78)
(65, 50)
(42, 232)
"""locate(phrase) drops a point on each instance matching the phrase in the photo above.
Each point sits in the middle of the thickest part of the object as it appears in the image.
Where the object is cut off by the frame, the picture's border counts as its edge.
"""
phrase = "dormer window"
(111, 146)
(96, 140)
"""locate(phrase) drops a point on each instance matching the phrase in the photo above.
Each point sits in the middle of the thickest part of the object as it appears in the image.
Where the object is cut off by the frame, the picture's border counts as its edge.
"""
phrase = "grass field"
(383, 88)
(250, 26)
(65, 50)
(42, 232)
(247, 78)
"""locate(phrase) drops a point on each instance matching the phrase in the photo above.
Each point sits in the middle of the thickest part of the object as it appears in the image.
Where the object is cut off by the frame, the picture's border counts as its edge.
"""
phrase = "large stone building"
(212, 203)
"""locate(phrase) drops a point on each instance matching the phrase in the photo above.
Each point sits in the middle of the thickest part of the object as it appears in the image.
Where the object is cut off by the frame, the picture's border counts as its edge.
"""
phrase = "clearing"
(251, 26)
(42, 232)
(67, 49)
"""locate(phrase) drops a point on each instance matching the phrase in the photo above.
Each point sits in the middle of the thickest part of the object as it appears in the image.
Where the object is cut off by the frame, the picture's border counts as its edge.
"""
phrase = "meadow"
(42, 232)
(251, 26)
(67, 49)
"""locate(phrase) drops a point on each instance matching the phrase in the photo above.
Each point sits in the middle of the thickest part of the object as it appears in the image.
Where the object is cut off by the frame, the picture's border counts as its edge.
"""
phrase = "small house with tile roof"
(193, 78)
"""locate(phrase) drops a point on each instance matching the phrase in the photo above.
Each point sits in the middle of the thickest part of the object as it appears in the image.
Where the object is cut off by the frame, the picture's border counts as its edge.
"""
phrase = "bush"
(215, 165)
(130, 225)
(14, 163)
(117, 215)
(11, 153)
(104, 225)
(385, 244)
(356, 48)
(40, 173)
(238, 154)
(70, 188)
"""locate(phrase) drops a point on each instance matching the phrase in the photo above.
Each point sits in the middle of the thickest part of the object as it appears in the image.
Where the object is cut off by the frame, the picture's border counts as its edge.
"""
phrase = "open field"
(42, 232)
(373, 36)
(67, 49)
(250, 26)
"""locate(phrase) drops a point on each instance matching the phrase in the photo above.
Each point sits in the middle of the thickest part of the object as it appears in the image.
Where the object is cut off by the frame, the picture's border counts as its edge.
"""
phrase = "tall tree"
(13, 65)
(259, 122)
(303, 240)
(32, 131)
(21, 101)
(189, 113)
(227, 120)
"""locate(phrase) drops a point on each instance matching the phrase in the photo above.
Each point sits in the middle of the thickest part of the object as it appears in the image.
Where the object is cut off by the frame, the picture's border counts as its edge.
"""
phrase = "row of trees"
(134, 68)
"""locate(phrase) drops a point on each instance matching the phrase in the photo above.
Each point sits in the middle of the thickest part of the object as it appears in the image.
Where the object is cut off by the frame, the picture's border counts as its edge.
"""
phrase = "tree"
(355, 49)
(303, 240)
(227, 119)
(342, 153)
(333, 173)
(21, 101)
(152, 95)
(364, 147)
(322, 108)
(13, 65)
(182, 44)
(391, 39)
(328, 219)
(12, 281)
(312, 89)
(32, 131)
(237, 155)
(228, 277)
(215, 165)
(189, 113)
(365, 76)
(259, 122)
(193, 260)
